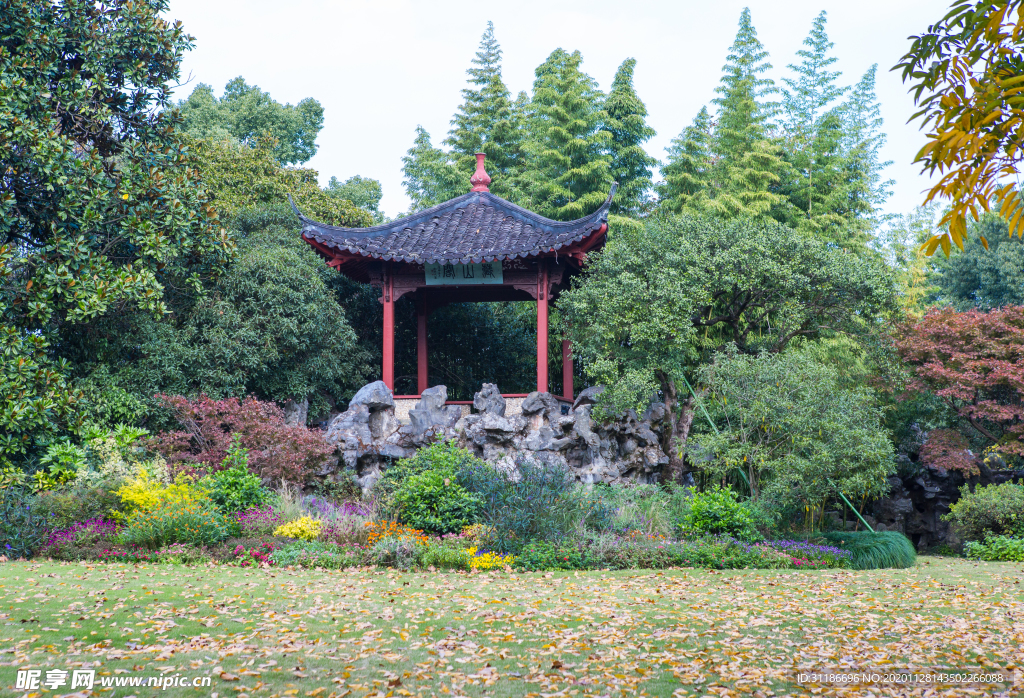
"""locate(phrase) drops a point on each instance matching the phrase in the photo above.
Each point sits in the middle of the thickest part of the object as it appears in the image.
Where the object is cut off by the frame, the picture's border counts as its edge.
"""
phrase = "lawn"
(268, 632)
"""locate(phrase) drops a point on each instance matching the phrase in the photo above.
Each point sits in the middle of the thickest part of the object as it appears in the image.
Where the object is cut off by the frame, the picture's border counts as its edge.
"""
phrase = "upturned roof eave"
(536, 220)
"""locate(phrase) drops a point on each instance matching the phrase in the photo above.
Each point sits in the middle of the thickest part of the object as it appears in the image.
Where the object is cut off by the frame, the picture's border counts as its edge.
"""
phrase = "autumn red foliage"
(276, 450)
(950, 450)
(975, 362)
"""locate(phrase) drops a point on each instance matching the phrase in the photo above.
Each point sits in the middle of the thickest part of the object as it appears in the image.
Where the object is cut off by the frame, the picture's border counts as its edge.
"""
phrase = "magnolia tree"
(660, 300)
(797, 433)
(974, 361)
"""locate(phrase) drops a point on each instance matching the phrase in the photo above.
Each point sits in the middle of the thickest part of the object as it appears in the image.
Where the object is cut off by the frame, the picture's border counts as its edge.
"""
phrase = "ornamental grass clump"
(875, 551)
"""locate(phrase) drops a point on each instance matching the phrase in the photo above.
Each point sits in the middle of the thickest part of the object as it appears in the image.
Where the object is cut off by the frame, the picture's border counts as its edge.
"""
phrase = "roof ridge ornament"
(480, 178)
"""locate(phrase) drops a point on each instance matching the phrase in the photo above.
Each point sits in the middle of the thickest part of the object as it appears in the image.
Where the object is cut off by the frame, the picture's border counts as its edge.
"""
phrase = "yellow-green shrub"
(145, 493)
(305, 528)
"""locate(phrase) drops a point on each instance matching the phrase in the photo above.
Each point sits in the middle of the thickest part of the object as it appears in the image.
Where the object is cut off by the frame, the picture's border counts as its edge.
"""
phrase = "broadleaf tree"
(965, 75)
(660, 300)
(249, 114)
(101, 207)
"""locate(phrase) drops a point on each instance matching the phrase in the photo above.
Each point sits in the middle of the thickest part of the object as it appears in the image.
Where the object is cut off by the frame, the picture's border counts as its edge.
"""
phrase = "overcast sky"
(380, 67)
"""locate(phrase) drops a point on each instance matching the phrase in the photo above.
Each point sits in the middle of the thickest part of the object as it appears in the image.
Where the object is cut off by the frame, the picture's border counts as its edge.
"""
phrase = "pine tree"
(430, 176)
(862, 143)
(748, 161)
(816, 186)
(488, 121)
(625, 120)
(569, 169)
(688, 170)
(814, 90)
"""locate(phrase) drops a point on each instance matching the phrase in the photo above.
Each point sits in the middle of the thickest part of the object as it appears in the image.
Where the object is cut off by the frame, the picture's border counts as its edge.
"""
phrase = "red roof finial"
(480, 179)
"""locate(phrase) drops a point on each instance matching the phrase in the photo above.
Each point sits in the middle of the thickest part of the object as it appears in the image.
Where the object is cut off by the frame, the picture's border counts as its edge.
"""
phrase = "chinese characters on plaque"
(463, 274)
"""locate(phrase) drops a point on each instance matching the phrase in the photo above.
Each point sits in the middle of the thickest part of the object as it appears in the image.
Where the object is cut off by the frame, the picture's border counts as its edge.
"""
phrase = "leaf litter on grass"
(372, 632)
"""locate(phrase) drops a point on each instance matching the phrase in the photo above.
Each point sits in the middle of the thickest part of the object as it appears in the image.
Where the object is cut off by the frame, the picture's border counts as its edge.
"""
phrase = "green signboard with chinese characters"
(463, 274)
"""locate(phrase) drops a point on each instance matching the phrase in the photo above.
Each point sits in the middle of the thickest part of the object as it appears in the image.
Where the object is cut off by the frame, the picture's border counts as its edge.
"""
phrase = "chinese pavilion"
(473, 248)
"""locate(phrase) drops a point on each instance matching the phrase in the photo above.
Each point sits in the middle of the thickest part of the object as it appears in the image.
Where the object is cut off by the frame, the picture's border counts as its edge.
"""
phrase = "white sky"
(380, 67)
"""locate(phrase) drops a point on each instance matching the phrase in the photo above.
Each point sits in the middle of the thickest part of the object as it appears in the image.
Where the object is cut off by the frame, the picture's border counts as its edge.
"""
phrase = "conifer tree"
(488, 121)
(688, 170)
(430, 176)
(625, 120)
(817, 186)
(814, 89)
(862, 143)
(568, 169)
(748, 161)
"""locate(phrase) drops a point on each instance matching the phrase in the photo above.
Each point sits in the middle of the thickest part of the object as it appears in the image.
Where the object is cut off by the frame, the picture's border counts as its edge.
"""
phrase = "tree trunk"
(680, 417)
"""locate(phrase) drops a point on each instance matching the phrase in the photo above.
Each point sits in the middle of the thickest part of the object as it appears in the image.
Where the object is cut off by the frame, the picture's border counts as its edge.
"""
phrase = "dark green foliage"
(875, 551)
(719, 511)
(980, 278)
(569, 169)
(23, 528)
(409, 481)
(247, 113)
(270, 327)
(996, 549)
(233, 488)
(101, 208)
(626, 120)
(63, 506)
(541, 556)
(988, 510)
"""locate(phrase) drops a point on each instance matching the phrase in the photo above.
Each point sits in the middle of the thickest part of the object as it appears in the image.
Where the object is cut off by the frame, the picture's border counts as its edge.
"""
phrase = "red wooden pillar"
(542, 326)
(567, 369)
(421, 343)
(389, 327)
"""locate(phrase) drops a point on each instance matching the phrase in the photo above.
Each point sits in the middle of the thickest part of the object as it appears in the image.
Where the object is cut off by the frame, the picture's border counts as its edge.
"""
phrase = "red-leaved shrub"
(276, 450)
(949, 449)
(974, 361)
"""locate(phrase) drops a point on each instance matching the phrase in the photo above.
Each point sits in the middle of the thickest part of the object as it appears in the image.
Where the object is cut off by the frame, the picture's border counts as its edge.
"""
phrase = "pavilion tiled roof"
(475, 227)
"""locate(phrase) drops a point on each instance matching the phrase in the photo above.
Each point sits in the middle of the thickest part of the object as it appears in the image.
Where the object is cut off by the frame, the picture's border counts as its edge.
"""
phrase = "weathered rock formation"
(369, 437)
(920, 494)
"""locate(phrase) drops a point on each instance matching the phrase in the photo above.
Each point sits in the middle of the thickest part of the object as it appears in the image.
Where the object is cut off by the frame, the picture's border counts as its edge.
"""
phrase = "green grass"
(378, 633)
(875, 550)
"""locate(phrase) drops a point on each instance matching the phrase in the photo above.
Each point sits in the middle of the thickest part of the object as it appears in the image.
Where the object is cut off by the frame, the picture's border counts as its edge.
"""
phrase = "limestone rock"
(369, 438)
(489, 400)
(376, 396)
(588, 396)
(295, 413)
